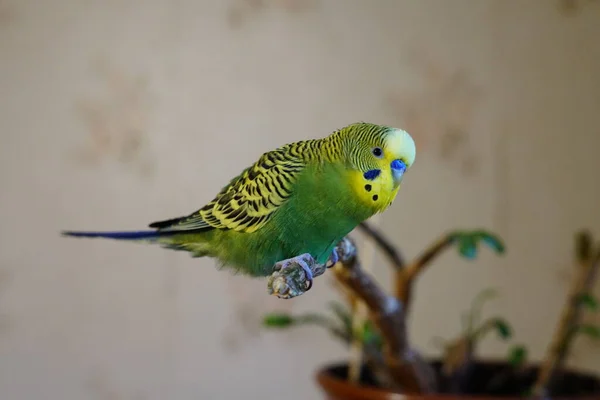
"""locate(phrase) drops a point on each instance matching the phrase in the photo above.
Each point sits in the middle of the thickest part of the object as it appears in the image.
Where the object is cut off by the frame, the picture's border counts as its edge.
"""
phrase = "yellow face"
(381, 163)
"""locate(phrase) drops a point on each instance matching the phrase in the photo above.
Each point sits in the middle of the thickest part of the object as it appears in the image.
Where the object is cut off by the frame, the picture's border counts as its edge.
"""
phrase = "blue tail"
(123, 235)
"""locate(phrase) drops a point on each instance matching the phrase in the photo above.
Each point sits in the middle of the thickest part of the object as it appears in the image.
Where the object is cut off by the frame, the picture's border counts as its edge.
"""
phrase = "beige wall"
(114, 114)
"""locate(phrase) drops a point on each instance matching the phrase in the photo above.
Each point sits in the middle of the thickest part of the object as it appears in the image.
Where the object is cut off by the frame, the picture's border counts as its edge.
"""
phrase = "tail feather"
(119, 235)
(167, 239)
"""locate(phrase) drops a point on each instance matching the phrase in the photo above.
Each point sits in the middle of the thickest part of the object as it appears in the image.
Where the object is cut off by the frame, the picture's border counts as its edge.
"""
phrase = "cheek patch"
(372, 174)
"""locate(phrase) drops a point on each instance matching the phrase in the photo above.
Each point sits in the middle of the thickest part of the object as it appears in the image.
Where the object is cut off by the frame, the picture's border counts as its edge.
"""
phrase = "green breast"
(321, 211)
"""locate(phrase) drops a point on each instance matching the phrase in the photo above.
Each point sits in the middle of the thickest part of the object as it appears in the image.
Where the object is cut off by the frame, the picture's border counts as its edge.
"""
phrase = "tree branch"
(405, 365)
(406, 277)
(559, 347)
(388, 248)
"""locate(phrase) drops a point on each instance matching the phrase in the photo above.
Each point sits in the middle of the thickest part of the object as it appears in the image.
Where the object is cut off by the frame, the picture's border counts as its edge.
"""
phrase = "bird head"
(377, 149)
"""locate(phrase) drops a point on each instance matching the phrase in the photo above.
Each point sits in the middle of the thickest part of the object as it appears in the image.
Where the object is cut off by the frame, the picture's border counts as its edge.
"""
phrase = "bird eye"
(377, 152)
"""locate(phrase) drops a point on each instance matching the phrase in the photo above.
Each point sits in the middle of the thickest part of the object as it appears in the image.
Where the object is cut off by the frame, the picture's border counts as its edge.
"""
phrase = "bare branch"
(405, 365)
(406, 368)
(429, 254)
(388, 248)
(406, 277)
(559, 347)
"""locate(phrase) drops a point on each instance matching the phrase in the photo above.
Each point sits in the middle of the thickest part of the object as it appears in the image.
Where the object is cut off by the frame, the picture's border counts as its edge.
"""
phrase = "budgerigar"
(296, 201)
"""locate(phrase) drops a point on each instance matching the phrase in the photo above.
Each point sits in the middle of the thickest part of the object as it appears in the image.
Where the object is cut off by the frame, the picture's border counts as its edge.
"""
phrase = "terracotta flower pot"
(489, 381)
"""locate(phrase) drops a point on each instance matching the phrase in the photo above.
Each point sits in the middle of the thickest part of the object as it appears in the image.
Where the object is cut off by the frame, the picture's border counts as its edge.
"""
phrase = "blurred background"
(115, 114)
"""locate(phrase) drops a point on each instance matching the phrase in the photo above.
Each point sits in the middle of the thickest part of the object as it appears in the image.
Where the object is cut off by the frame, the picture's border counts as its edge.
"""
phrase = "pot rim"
(332, 384)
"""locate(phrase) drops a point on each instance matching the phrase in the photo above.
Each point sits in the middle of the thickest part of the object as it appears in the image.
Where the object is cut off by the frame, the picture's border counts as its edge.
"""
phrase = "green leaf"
(492, 241)
(370, 334)
(592, 331)
(469, 240)
(278, 320)
(588, 301)
(503, 328)
(517, 355)
(366, 334)
(467, 246)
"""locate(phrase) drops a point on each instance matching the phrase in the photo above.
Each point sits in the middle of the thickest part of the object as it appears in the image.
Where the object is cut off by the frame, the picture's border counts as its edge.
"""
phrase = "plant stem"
(476, 306)
(355, 364)
(406, 366)
(457, 364)
(486, 327)
(324, 322)
(388, 248)
(405, 277)
(372, 355)
(359, 314)
(559, 347)
(459, 355)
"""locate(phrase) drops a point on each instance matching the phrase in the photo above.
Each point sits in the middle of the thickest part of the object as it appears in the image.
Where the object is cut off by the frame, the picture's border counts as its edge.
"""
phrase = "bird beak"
(398, 168)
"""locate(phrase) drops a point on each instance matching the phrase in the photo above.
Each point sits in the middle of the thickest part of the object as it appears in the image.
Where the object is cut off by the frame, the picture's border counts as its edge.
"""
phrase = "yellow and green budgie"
(296, 201)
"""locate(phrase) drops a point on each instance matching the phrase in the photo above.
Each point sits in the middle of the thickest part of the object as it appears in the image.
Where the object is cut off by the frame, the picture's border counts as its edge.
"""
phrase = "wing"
(250, 199)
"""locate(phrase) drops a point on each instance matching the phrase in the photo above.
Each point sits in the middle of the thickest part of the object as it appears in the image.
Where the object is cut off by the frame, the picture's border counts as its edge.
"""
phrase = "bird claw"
(333, 259)
(301, 260)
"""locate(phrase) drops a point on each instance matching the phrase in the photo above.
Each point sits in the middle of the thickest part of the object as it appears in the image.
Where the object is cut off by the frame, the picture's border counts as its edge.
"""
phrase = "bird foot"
(302, 261)
(294, 276)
